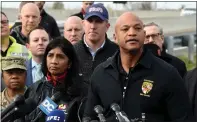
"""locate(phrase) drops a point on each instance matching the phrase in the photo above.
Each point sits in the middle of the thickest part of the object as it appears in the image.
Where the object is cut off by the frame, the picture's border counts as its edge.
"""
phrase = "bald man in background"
(73, 29)
(30, 19)
(18, 22)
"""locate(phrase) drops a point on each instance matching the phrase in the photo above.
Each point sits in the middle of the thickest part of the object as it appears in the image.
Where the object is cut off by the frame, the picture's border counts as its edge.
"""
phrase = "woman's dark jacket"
(70, 95)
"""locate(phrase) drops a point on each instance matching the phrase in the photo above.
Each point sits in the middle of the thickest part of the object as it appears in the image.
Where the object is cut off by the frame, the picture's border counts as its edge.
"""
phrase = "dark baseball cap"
(97, 10)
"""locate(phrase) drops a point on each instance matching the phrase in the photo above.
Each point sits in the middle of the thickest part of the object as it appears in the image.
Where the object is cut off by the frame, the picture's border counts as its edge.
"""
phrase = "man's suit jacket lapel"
(29, 79)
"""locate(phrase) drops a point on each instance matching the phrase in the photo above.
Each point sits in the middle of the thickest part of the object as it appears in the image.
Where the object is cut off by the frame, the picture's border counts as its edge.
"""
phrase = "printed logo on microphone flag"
(63, 107)
(47, 105)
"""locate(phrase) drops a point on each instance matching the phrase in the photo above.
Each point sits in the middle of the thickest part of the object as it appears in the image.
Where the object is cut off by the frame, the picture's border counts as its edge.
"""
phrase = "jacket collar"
(18, 30)
(43, 13)
(12, 39)
(165, 56)
(106, 43)
(111, 65)
(145, 60)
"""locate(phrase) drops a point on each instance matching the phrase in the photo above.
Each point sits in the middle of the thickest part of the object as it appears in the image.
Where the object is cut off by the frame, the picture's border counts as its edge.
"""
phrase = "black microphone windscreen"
(20, 110)
(56, 96)
(19, 99)
(28, 107)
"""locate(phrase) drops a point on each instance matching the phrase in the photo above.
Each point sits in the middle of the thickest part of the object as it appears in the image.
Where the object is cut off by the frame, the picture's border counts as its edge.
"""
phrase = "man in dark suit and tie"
(38, 40)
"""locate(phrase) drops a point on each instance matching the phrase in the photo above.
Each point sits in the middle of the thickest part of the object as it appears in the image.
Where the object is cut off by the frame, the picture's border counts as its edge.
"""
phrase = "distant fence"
(182, 44)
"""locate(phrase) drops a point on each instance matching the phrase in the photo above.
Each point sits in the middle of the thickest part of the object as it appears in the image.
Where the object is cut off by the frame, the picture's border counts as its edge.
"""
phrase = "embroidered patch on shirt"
(147, 86)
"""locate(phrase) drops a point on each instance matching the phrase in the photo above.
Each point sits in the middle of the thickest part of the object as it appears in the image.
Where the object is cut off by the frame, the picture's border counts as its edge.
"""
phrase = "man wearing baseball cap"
(13, 75)
(95, 47)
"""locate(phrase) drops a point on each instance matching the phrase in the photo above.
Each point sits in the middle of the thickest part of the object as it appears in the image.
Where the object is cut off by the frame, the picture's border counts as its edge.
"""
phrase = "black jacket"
(174, 61)
(47, 22)
(154, 88)
(80, 15)
(71, 97)
(191, 85)
(17, 23)
(87, 63)
(16, 33)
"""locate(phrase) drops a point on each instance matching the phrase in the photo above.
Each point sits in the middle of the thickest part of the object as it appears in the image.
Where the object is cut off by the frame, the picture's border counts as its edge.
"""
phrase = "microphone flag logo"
(47, 105)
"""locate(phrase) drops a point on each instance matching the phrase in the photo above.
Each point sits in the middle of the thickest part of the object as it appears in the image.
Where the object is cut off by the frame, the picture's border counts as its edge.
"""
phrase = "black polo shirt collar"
(145, 60)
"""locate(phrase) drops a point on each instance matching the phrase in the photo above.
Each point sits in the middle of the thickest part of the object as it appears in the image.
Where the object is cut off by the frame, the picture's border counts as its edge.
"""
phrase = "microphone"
(48, 105)
(119, 114)
(20, 111)
(56, 116)
(19, 99)
(99, 110)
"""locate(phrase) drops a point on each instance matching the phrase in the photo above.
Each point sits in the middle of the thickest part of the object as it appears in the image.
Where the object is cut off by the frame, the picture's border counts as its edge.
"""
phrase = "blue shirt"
(91, 50)
(34, 70)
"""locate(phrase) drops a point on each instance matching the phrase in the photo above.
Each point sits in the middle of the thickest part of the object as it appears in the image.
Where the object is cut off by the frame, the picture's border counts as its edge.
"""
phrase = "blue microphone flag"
(47, 105)
(56, 116)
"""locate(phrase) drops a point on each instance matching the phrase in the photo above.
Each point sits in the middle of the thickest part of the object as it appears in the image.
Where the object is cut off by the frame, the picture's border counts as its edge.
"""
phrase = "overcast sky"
(170, 5)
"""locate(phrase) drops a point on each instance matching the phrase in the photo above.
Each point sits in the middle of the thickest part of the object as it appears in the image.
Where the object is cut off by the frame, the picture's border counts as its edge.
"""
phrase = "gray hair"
(154, 24)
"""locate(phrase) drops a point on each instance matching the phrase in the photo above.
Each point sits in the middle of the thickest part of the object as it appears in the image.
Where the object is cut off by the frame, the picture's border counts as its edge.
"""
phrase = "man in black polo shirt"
(135, 79)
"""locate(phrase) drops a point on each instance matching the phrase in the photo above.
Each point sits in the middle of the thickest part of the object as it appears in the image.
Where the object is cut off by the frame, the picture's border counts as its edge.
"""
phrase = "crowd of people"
(88, 69)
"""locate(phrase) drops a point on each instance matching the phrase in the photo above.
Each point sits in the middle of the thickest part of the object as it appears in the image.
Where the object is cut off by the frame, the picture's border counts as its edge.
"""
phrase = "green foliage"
(58, 5)
(190, 65)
